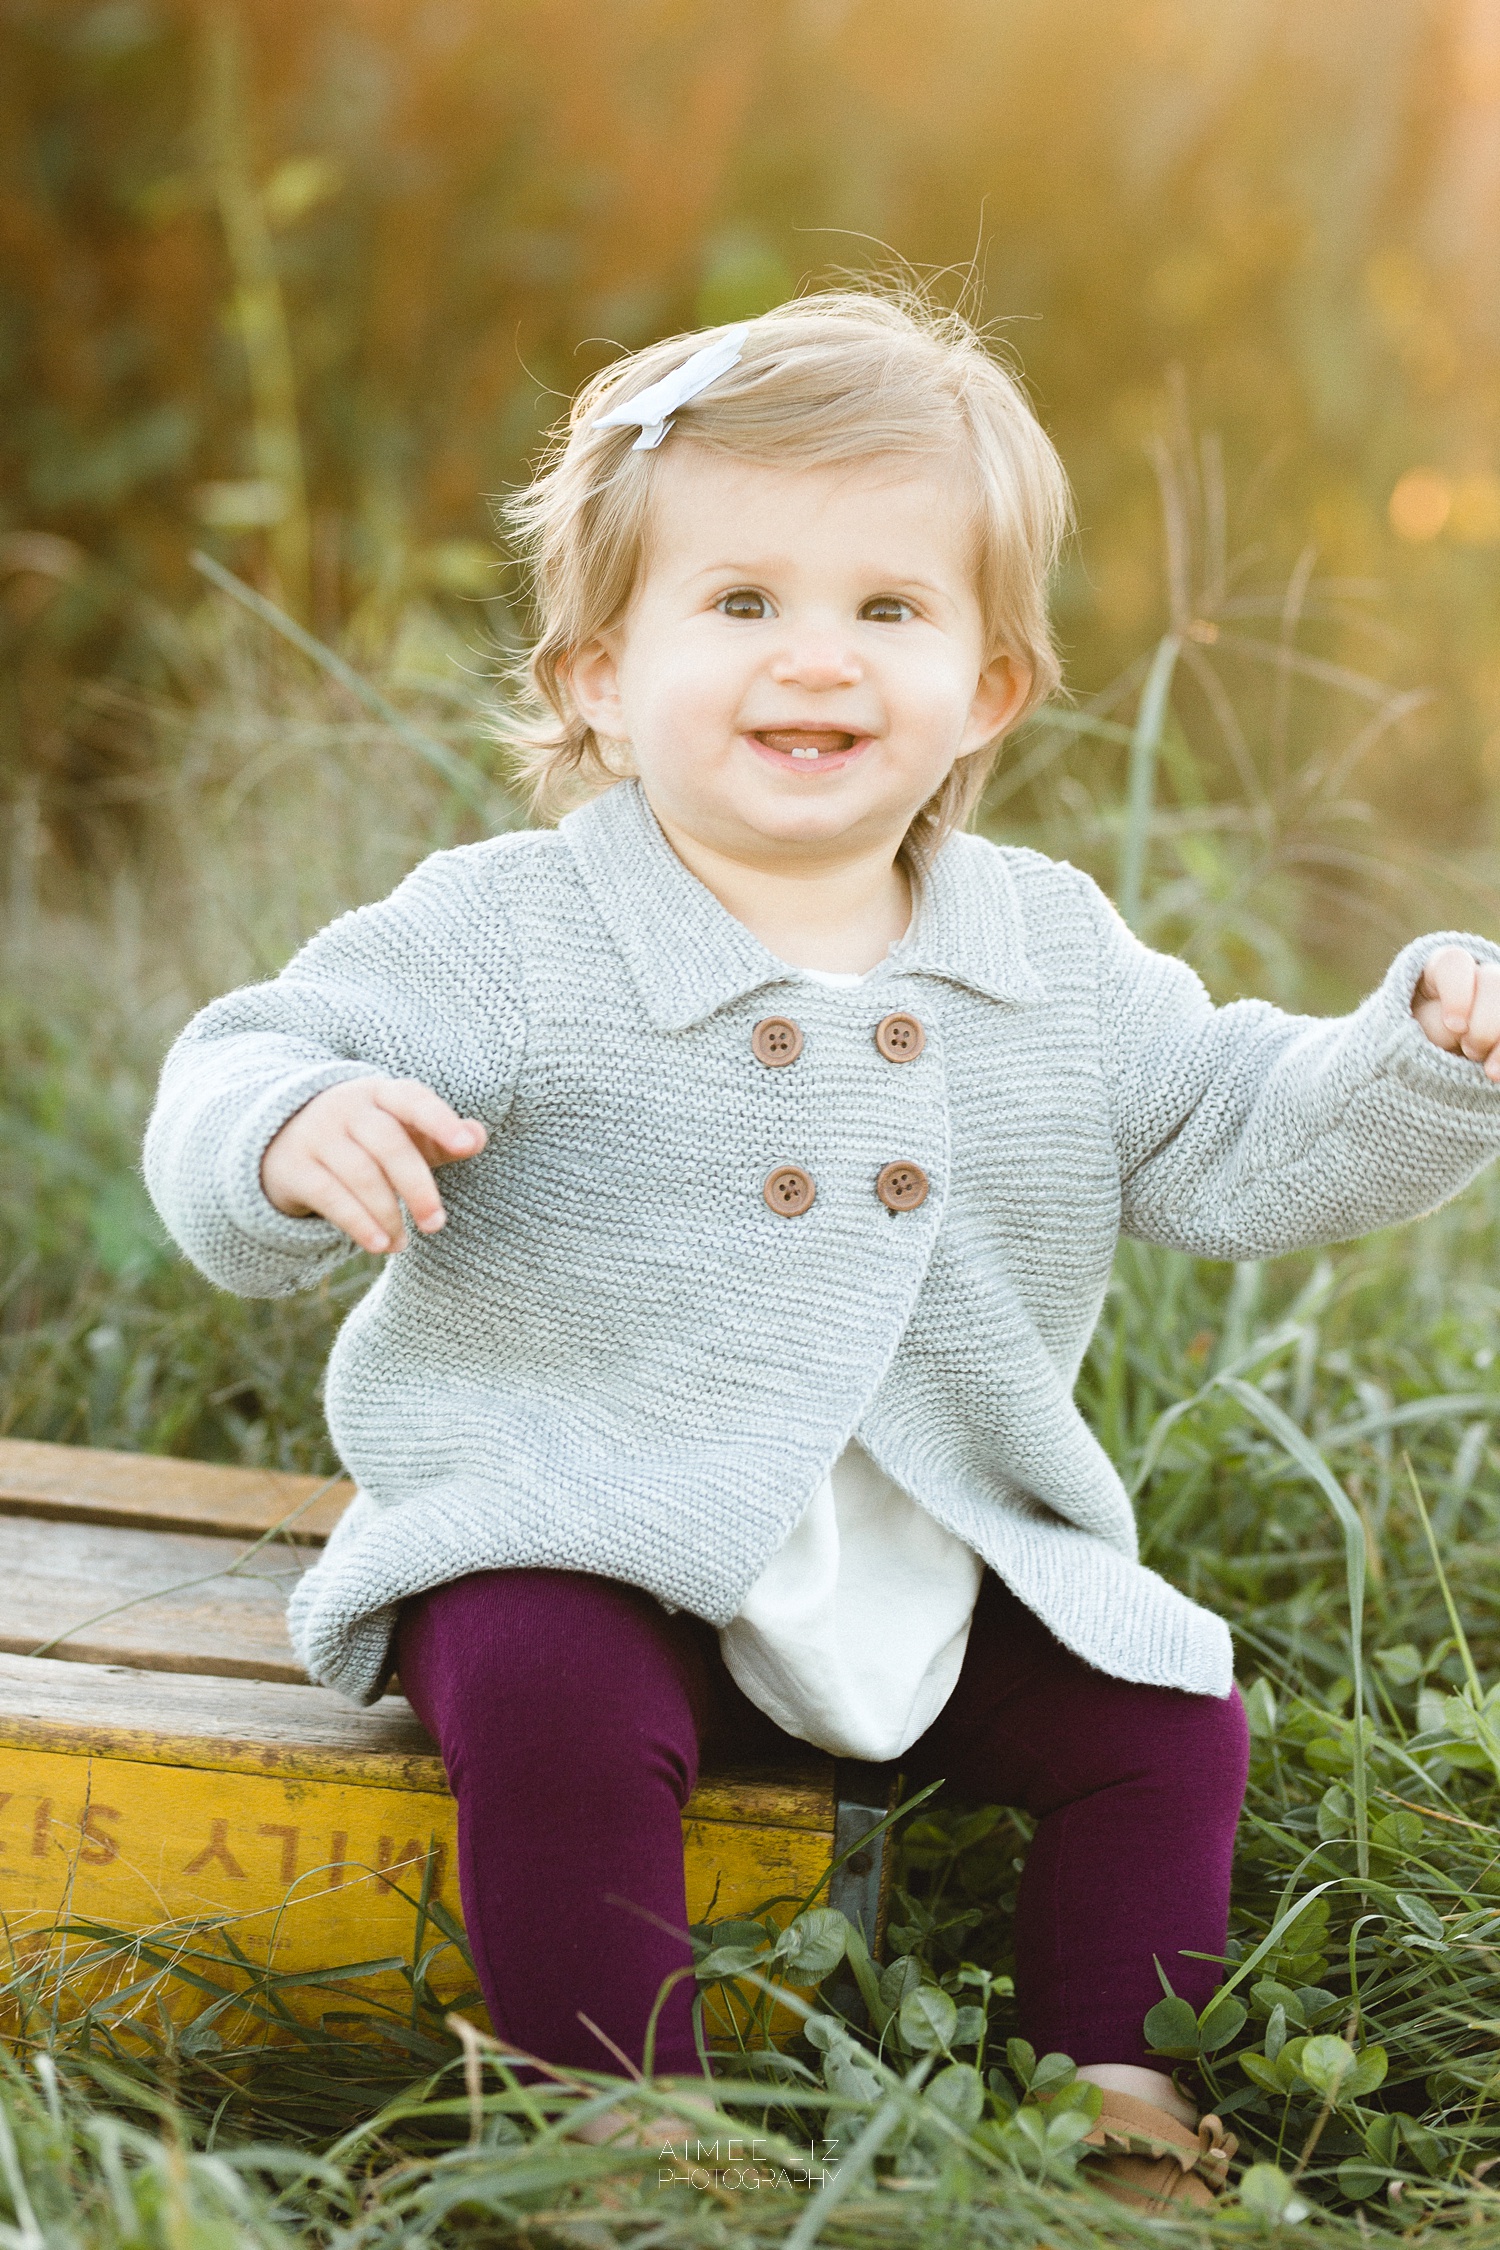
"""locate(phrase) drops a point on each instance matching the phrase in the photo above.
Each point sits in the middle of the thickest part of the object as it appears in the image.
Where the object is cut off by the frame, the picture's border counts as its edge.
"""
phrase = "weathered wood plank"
(186, 1616)
(219, 1725)
(86, 1484)
(303, 1732)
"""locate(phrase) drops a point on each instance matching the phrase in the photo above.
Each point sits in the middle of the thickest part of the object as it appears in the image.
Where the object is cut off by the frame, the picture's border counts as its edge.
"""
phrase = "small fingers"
(426, 1113)
(366, 1172)
(1457, 1004)
(1482, 1039)
(391, 1148)
(1450, 978)
(358, 1150)
(334, 1199)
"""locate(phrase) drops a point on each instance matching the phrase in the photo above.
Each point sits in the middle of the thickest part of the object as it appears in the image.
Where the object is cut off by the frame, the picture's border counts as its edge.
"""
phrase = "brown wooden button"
(900, 1038)
(901, 1187)
(776, 1041)
(789, 1191)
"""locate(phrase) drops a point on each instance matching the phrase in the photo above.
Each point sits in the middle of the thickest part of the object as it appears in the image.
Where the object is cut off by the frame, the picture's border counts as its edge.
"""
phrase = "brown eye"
(885, 609)
(744, 602)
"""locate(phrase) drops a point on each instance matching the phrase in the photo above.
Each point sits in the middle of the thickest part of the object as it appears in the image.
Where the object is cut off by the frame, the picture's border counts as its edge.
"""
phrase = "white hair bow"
(654, 407)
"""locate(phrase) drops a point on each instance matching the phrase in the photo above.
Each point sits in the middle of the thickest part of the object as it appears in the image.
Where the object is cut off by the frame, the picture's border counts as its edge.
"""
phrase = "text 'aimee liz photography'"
(733, 2161)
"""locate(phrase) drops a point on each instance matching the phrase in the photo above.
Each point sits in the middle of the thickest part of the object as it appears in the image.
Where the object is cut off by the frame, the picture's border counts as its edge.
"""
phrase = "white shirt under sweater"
(853, 1636)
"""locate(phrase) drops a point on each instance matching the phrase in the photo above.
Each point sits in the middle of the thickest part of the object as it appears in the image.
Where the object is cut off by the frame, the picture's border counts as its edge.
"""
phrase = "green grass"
(1288, 1426)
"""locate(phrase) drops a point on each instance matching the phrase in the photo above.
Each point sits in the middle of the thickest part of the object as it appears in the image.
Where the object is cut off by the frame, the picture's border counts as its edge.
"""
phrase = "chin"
(808, 824)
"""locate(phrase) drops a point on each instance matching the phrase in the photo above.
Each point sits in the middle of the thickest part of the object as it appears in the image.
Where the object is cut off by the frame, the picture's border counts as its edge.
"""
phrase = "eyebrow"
(893, 584)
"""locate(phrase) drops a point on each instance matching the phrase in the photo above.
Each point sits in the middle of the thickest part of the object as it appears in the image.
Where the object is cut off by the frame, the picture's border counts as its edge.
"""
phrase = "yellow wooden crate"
(142, 1799)
(167, 1759)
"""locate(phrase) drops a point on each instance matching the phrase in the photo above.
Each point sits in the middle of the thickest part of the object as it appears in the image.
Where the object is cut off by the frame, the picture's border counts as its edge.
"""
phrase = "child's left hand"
(1457, 1003)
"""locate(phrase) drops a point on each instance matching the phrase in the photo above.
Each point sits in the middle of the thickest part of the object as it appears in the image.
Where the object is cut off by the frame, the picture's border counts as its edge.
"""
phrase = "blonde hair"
(844, 376)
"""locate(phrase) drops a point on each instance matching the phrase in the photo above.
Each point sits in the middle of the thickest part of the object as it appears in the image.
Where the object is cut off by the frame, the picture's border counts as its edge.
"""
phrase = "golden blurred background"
(302, 284)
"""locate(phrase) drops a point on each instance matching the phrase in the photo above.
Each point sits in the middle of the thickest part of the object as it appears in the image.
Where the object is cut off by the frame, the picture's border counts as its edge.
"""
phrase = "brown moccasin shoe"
(1145, 2157)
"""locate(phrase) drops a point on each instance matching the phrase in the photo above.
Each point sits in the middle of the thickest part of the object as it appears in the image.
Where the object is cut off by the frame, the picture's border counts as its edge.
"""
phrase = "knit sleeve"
(1245, 1132)
(421, 985)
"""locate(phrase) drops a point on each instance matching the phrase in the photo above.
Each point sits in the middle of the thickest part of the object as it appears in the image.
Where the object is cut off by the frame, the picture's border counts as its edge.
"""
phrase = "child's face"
(803, 658)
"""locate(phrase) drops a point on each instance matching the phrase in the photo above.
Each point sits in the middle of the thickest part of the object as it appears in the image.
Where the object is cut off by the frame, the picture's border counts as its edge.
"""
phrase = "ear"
(1003, 687)
(592, 677)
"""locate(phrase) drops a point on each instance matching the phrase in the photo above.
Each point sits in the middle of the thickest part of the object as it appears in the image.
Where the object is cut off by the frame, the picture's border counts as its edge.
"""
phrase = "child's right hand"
(351, 1151)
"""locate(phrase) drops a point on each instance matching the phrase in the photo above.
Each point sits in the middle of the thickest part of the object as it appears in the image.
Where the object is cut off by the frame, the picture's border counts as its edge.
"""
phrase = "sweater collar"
(688, 956)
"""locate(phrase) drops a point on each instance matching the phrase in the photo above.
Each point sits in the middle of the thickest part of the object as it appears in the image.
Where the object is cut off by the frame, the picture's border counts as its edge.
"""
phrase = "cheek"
(931, 692)
(692, 686)
(677, 715)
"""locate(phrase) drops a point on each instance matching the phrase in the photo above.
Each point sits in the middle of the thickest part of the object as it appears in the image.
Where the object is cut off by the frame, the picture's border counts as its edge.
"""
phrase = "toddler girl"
(728, 1388)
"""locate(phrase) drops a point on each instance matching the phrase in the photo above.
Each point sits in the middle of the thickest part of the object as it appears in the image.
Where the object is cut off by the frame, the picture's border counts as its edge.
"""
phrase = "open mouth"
(809, 746)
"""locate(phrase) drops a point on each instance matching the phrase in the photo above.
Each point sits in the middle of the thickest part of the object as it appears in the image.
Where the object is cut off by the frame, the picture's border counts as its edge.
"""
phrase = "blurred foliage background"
(303, 284)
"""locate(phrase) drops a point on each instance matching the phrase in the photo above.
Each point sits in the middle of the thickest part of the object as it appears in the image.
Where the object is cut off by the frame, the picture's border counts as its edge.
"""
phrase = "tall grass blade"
(26, 2234)
(1302, 1450)
(1265, 1347)
(459, 775)
(853, 2169)
(1460, 1637)
(1140, 794)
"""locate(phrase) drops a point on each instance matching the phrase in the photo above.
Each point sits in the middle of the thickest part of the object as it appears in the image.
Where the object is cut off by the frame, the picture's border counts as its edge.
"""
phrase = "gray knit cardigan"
(616, 1358)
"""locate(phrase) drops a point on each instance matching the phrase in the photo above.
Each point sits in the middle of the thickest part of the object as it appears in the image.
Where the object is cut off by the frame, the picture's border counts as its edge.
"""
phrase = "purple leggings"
(570, 1711)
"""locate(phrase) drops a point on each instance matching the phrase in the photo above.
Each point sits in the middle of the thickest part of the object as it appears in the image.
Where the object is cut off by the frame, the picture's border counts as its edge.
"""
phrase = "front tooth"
(799, 752)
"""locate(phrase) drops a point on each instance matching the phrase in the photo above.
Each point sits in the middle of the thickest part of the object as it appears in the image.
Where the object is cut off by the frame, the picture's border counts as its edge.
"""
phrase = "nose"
(817, 657)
